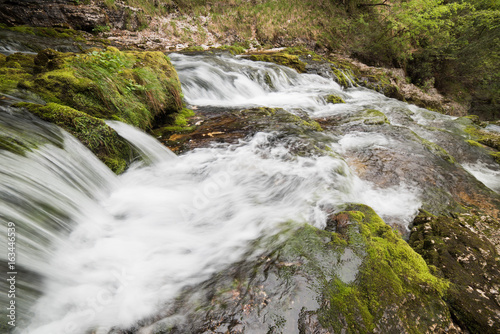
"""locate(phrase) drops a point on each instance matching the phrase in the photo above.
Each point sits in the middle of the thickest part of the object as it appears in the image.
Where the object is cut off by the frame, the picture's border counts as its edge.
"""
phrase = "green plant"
(99, 29)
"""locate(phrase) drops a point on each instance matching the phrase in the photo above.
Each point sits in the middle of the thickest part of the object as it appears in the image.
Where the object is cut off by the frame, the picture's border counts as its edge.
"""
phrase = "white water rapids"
(113, 250)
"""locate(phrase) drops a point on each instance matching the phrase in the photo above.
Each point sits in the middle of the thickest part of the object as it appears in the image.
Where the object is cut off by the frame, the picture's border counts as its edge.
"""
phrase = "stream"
(98, 252)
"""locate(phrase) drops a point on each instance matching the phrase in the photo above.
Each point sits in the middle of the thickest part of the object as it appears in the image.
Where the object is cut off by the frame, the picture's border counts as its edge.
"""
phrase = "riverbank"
(453, 84)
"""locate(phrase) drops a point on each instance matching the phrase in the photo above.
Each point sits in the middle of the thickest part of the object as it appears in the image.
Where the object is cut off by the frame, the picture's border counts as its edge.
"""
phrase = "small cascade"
(237, 82)
(148, 147)
(111, 252)
(47, 178)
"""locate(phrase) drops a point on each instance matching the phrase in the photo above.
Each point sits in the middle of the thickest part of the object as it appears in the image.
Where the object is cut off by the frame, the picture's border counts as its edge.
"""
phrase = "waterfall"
(236, 82)
(111, 251)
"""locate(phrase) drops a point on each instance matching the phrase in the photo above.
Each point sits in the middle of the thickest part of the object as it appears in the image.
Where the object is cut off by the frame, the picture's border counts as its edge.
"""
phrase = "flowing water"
(97, 251)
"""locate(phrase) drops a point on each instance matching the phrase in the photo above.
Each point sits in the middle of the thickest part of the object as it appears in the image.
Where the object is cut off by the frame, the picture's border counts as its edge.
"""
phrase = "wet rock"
(390, 155)
(67, 14)
(78, 100)
(215, 125)
(365, 279)
(94, 133)
(462, 250)
(51, 13)
(280, 58)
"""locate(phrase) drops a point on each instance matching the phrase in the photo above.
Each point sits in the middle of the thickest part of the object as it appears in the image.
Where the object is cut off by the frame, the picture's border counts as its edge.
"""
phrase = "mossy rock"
(367, 117)
(285, 59)
(302, 135)
(340, 76)
(460, 252)
(380, 82)
(14, 145)
(52, 32)
(334, 99)
(476, 136)
(496, 156)
(280, 118)
(140, 88)
(394, 289)
(94, 133)
(13, 69)
(362, 277)
(489, 139)
(177, 124)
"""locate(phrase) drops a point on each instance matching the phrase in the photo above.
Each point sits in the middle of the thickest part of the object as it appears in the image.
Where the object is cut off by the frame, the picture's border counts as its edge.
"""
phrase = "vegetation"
(334, 99)
(451, 45)
(285, 59)
(134, 87)
(139, 88)
(54, 32)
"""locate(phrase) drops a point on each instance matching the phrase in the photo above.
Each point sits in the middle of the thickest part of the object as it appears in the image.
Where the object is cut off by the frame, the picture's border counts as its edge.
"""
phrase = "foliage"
(139, 88)
(98, 29)
(282, 58)
(453, 45)
(135, 87)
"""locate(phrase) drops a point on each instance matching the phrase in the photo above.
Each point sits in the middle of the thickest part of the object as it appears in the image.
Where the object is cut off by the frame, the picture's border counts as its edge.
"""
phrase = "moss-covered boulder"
(13, 69)
(394, 290)
(281, 58)
(464, 249)
(139, 88)
(334, 99)
(357, 276)
(479, 137)
(369, 117)
(92, 132)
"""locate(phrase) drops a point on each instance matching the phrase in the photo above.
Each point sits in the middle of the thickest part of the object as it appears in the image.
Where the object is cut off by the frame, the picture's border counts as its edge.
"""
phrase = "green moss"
(481, 138)
(484, 137)
(193, 48)
(233, 49)
(14, 145)
(340, 77)
(334, 99)
(53, 32)
(285, 59)
(178, 123)
(391, 278)
(368, 117)
(139, 88)
(103, 141)
(13, 69)
(286, 119)
(496, 156)
(474, 143)
(436, 149)
(305, 52)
